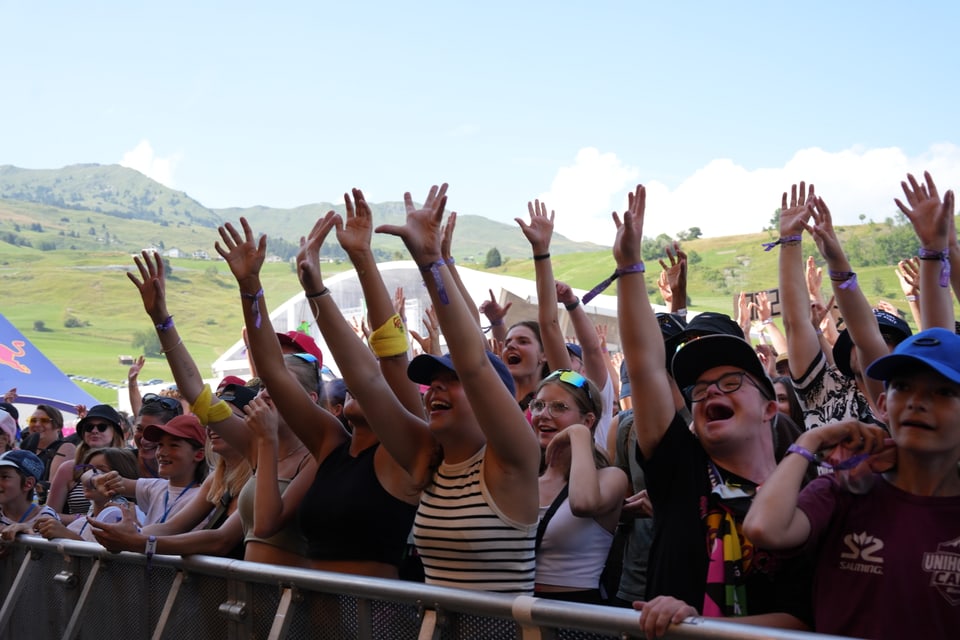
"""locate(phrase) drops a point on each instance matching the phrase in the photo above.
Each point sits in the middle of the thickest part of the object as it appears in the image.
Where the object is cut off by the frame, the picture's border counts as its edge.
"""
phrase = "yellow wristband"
(390, 339)
(219, 412)
(201, 406)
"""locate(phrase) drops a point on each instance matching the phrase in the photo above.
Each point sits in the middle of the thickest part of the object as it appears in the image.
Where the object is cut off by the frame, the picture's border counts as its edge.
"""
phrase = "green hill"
(64, 265)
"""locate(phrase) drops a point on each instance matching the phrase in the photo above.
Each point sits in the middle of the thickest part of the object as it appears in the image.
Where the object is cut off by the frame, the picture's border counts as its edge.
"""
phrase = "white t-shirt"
(159, 500)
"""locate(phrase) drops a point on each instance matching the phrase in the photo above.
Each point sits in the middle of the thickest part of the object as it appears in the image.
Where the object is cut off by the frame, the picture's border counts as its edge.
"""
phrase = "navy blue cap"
(424, 368)
(893, 328)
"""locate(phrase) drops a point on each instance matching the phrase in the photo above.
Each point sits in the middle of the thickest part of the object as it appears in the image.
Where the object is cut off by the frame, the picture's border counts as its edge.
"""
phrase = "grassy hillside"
(91, 286)
(61, 258)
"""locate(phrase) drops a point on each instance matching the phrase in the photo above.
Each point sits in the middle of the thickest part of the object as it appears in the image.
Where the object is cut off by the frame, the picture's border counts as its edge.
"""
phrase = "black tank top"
(348, 515)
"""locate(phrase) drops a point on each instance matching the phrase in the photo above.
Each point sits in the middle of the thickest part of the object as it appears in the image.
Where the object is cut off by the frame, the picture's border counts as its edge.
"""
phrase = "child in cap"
(895, 540)
(181, 465)
(19, 473)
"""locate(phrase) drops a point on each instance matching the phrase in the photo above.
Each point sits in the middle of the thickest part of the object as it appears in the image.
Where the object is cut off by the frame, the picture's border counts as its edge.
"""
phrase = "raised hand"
(308, 258)
(355, 233)
(446, 243)
(931, 217)
(359, 326)
(908, 273)
(540, 229)
(243, 253)
(421, 233)
(763, 306)
(663, 284)
(400, 304)
(814, 279)
(627, 244)
(565, 294)
(674, 275)
(794, 214)
(134, 371)
(262, 418)
(151, 284)
(823, 232)
(492, 309)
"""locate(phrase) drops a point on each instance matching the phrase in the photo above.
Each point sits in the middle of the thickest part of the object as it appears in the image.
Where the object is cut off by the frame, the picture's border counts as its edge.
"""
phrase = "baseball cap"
(723, 350)
(186, 426)
(707, 323)
(936, 348)
(237, 394)
(425, 367)
(575, 350)
(893, 328)
(303, 343)
(228, 380)
(24, 461)
(102, 411)
(8, 425)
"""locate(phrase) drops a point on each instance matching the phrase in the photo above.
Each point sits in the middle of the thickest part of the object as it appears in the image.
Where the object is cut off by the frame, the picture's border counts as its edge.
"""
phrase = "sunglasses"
(308, 357)
(80, 469)
(168, 403)
(573, 379)
(99, 426)
(36, 420)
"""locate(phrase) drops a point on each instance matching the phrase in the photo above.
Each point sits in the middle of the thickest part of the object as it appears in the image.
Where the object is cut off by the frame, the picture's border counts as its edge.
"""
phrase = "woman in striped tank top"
(476, 523)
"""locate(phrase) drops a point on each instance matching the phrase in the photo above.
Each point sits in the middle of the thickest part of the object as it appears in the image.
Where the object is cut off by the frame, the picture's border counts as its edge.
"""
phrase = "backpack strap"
(542, 527)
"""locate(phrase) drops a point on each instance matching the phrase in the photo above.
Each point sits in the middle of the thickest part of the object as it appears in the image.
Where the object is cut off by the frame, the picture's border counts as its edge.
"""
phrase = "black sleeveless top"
(348, 515)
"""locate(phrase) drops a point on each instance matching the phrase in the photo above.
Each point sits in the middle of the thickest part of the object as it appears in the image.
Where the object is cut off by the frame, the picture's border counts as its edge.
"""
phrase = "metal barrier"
(77, 590)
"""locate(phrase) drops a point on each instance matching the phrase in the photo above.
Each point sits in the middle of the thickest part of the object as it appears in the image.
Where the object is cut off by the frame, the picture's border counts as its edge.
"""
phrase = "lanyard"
(27, 513)
(166, 498)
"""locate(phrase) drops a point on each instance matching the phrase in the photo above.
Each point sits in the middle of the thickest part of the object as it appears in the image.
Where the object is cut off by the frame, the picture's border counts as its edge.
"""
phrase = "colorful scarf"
(730, 553)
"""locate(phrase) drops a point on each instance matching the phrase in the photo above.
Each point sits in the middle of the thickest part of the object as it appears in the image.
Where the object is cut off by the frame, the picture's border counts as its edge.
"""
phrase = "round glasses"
(727, 383)
(555, 408)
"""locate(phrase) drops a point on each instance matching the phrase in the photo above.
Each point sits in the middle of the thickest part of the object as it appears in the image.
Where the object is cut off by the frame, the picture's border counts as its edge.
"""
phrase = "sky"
(716, 107)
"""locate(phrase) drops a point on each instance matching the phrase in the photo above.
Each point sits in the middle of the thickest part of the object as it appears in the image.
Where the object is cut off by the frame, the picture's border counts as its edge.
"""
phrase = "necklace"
(290, 453)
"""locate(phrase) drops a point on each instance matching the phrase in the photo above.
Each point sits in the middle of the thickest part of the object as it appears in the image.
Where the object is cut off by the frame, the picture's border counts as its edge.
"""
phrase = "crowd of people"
(803, 476)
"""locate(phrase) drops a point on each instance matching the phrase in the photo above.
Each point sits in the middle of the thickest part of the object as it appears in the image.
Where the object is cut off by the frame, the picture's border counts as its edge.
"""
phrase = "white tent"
(345, 287)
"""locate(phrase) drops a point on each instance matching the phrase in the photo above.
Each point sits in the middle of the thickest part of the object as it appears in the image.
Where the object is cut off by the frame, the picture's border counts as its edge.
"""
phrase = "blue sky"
(717, 107)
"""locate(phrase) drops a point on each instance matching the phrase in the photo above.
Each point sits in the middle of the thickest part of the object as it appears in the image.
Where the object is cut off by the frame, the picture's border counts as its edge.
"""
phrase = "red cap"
(187, 426)
(302, 342)
(228, 380)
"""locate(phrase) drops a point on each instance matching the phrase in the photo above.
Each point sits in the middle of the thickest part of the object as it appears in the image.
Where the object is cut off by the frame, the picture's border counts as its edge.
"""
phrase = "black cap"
(893, 329)
(703, 354)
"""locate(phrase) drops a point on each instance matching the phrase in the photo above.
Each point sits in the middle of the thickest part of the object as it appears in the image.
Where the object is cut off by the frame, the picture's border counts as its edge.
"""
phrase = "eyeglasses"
(99, 426)
(168, 403)
(36, 420)
(554, 408)
(573, 379)
(727, 383)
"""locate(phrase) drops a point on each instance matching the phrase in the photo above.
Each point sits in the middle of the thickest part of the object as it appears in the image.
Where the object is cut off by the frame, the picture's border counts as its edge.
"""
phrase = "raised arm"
(673, 280)
(908, 274)
(933, 223)
(594, 358)
(854, 307)
(802, 341)
(151, 283)
(495, 316)
(388, 340)
(511, 444)
(650, 386)
(538, 232)
(774, 520)
(402, 433)
(446, 253)
(133, 385)
(317, 428)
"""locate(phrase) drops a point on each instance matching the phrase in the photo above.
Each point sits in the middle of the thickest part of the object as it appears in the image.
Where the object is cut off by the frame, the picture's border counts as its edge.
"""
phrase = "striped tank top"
(465, 541)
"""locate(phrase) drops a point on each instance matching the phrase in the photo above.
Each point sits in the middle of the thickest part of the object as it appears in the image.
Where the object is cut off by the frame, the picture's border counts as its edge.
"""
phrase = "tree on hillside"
(149, 342)
(690, 234)
(493, 258)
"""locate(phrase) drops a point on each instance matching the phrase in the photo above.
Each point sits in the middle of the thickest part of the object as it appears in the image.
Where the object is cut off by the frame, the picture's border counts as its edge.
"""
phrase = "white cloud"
(724, 198)
(585, 193)
(143, 159)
